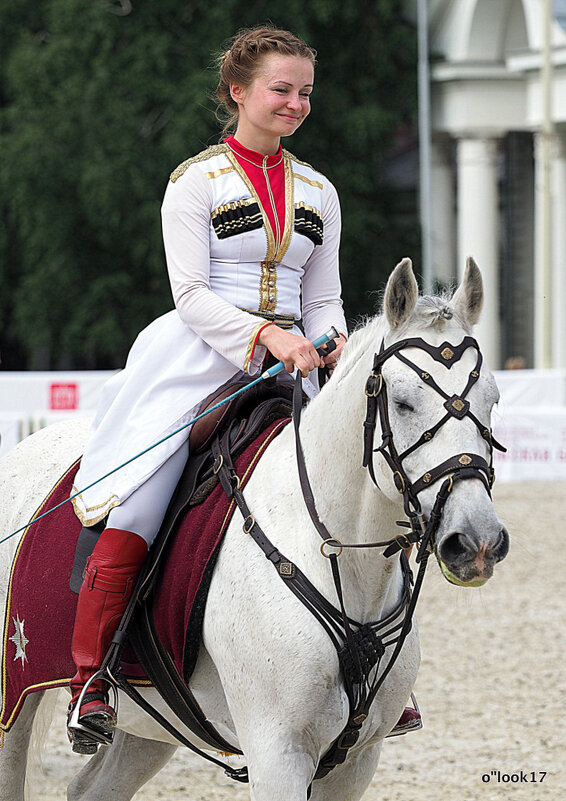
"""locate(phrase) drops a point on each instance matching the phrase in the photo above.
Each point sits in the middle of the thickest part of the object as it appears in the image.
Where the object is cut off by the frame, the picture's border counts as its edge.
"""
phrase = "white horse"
(268, 676)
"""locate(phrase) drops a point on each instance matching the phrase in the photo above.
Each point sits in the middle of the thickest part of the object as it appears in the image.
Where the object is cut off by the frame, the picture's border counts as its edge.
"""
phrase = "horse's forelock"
(432, 312)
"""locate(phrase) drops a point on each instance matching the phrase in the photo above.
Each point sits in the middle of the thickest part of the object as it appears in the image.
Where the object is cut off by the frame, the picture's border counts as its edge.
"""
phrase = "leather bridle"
(458, 467)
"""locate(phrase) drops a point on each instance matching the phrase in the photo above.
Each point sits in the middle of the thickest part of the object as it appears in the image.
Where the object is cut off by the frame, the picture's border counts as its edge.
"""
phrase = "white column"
(443, 187)
(478, 225)
(558, 269)
(544, 246)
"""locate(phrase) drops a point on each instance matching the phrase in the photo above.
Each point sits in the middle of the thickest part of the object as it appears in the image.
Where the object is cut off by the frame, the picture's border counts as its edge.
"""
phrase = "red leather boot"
(108, 581)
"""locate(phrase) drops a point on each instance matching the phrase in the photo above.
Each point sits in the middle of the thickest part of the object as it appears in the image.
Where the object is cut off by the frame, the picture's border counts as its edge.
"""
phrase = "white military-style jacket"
(225, 268)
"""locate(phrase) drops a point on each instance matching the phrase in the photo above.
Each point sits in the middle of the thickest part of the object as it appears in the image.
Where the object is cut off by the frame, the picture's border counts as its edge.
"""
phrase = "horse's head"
(434, 399)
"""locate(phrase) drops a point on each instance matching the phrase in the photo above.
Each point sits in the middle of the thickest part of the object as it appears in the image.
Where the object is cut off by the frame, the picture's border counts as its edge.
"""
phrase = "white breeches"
(143, 511)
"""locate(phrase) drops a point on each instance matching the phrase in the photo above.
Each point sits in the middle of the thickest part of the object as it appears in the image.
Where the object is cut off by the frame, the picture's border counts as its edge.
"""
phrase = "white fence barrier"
(530, 420)
(32, 400)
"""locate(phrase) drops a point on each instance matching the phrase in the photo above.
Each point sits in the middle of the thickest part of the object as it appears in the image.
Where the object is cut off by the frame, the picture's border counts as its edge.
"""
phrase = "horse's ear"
(401, 294)
(468, 298)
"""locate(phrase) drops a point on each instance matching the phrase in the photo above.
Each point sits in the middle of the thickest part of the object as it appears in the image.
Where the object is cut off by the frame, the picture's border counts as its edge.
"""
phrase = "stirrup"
(414, 724)
(89, 734)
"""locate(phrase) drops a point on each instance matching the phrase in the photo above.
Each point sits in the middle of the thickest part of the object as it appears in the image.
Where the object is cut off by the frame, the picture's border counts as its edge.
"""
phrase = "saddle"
(245, 415)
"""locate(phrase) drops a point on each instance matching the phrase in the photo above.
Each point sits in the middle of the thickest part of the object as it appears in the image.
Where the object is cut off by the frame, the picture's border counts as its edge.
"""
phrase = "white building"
(498, 166)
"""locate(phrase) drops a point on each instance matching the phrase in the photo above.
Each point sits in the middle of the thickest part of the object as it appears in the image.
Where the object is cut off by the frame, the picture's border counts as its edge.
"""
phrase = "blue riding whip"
(269, 373)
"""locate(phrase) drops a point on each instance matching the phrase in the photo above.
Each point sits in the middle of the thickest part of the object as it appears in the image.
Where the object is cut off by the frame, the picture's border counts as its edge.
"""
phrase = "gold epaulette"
(213, 150)
(298, 161)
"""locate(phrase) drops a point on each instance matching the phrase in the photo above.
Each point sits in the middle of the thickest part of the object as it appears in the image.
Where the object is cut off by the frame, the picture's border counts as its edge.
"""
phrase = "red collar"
(251, 155)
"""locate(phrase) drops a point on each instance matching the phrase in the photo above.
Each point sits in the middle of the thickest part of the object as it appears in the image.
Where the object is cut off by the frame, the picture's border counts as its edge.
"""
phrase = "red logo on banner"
(64, 396)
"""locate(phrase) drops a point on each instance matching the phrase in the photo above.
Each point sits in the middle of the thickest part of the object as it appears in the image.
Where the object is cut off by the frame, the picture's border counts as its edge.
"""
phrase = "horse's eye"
(402, 406)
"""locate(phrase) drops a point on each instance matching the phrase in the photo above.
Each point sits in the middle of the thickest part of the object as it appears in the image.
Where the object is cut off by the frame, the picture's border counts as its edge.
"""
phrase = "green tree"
(103, 98)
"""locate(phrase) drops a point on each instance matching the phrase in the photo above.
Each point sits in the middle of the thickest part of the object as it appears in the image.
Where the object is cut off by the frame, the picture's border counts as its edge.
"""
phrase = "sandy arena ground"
(491, 687)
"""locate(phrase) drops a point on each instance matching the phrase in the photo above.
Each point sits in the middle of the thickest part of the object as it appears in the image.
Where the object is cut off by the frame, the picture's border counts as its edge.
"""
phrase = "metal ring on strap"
(333, 543)
(403, 541)
(371, 390)
(401, 485)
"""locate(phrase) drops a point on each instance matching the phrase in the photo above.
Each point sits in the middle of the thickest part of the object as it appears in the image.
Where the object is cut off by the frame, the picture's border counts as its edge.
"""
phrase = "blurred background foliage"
(99, 102)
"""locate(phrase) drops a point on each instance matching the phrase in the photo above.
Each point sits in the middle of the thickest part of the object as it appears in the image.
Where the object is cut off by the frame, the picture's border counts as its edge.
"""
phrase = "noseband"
(457, 467)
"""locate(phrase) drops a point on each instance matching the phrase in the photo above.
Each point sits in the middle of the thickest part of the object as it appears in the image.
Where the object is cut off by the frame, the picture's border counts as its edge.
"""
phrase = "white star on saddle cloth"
(19, 639)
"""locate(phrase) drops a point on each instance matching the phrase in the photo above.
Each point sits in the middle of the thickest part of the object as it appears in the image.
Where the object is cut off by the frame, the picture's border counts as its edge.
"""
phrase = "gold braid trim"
(213, 150)
(306, 180)
(298, 161)
(252, 344)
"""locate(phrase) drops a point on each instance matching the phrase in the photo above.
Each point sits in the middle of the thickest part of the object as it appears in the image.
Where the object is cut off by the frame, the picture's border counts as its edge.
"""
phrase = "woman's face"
(276, 102)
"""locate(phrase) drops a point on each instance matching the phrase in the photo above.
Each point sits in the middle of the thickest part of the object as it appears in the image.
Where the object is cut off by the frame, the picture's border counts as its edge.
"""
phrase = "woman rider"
(251, 238)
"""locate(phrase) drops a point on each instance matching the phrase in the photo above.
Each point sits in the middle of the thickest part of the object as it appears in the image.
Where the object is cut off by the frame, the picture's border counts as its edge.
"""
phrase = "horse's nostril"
(501, 547)
(455, 546)
(458, 546)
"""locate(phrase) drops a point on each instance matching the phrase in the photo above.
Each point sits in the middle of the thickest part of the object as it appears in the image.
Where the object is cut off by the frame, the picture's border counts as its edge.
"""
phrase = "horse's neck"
(351, 507)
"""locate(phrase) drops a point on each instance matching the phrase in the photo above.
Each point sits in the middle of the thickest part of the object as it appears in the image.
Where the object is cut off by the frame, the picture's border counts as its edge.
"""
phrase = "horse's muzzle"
(468, 559)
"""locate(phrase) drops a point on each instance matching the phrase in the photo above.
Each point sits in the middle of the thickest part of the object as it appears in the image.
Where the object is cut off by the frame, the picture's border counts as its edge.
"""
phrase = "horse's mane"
(432, 312)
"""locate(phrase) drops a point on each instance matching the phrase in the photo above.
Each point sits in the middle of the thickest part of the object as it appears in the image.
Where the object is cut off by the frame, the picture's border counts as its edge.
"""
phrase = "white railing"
(530, 419)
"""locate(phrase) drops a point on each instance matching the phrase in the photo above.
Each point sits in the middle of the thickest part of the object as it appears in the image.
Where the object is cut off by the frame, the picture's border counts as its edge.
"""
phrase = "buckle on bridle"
(403, 541)
(399, 481)
(374, 385)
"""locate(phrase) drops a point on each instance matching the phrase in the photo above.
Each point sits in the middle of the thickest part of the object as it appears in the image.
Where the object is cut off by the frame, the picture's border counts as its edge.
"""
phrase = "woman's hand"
(291, 349)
